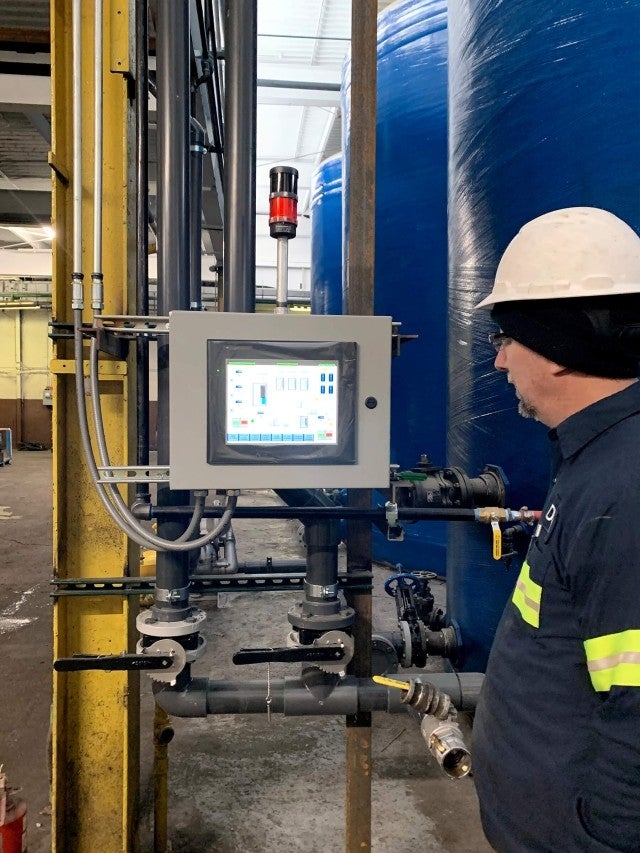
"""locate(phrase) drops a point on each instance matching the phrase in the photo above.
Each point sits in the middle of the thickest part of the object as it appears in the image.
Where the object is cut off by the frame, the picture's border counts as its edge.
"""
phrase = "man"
(557, 732)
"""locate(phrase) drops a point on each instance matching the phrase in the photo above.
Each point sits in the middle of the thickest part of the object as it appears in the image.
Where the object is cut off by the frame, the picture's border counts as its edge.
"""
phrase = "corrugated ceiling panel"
(23, 151)
(24, 14)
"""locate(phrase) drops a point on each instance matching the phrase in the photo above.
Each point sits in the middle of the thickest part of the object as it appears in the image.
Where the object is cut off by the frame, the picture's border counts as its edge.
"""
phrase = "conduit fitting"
(97, 291)
(77, 294)
(447, 745)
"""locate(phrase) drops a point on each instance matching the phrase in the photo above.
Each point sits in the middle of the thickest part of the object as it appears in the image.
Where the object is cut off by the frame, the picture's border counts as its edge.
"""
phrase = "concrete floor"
(237, 784)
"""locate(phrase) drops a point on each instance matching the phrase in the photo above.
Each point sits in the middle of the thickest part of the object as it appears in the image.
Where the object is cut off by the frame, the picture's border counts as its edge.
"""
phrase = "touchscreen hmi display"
(281, 402)
(289, 402)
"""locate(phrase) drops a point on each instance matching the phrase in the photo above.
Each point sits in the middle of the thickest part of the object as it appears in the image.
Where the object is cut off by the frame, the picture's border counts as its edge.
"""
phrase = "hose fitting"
(427, 699)
(447, 745)
(438, 726)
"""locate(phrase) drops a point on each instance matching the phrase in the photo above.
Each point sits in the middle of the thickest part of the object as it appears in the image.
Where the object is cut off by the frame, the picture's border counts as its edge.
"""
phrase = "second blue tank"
(411, 242)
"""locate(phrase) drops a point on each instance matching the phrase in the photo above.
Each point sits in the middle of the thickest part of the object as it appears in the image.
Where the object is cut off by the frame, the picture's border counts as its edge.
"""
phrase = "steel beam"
(95, 714)
(361, 272)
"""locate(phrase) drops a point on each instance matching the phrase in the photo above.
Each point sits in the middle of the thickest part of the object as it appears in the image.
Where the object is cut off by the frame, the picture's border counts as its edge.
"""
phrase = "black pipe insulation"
(294, 697)
(374, 514)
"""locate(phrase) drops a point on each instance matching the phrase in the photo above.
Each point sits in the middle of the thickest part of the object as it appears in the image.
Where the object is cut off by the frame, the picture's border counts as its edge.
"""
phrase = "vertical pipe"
(77, 145)
(195, 238)
(173, 104)
(97, 138)
(162, 736)
(282, 280)
(322, 539)
(240, 155)
(360, 301)
(19, 318)
(142, 233)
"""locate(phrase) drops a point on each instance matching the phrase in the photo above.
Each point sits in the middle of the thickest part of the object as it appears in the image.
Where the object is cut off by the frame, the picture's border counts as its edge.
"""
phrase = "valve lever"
(293, 654)
(111, 663)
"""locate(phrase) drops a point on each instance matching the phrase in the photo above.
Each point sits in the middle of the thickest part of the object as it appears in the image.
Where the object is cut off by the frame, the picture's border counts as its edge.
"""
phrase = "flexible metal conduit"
(293, 697)
(118, 510)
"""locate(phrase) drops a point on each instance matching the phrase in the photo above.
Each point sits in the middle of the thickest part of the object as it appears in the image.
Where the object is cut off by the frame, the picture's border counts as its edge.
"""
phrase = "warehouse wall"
(25, 353)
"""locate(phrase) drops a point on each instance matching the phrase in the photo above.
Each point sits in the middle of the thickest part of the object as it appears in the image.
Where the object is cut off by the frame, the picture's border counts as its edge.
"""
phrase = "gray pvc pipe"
(195, 236)
(173, 110)
(294, 698)
(240, 156)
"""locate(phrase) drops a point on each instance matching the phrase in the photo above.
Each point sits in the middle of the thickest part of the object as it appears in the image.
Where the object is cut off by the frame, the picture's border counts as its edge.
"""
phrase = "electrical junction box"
(279, 401)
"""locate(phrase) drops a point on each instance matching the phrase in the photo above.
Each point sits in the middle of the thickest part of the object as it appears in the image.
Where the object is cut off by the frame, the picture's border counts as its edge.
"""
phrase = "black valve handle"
(292, 654)
(109, 663)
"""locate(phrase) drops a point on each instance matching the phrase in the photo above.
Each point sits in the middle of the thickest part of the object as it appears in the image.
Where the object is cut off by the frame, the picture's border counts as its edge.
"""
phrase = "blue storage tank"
(326, 237)
(544, 104)
(411, 243)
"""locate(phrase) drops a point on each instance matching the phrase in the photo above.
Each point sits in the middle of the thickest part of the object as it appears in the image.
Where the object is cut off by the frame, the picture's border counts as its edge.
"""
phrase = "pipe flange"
(407, 650)
(147, 624)
(194, 654)
(321, 622)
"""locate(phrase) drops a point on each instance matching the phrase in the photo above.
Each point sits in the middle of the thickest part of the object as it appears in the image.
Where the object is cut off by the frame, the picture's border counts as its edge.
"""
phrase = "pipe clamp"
(172, 596)
(316, 590)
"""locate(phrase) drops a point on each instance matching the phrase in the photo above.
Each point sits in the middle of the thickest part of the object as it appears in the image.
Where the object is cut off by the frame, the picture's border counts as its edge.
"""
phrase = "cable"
(125, 521)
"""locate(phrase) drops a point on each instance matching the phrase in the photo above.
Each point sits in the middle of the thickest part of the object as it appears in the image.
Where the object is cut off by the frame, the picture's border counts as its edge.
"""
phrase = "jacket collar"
(577, 431)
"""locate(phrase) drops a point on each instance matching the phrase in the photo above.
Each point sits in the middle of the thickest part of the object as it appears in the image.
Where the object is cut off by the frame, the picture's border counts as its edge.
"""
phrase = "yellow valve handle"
(391, 682)
(497, 540)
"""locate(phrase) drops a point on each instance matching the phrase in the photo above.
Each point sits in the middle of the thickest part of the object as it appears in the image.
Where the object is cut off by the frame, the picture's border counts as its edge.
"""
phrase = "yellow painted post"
(95, 714)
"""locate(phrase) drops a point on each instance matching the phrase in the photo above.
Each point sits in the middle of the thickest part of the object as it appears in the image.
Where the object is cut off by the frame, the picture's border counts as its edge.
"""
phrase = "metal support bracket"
(133, 473)
(203, 584)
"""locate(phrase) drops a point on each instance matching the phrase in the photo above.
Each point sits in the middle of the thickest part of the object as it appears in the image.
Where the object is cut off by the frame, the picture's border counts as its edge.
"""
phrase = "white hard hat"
(577, 251)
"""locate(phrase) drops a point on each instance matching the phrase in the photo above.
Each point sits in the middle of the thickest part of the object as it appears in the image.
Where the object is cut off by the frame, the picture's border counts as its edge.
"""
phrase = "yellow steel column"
(95, 714)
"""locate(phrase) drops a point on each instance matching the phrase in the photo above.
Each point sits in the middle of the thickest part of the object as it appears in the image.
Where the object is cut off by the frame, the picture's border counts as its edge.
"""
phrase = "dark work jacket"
(557, 756)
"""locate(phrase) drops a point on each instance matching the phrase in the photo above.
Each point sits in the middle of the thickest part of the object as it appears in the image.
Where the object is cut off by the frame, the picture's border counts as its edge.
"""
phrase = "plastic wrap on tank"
(544, 106)
(326, 237)
(411, 242)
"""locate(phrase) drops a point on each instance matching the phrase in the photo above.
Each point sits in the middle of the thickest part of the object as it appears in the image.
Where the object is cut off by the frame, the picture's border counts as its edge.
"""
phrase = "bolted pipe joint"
(443, 643)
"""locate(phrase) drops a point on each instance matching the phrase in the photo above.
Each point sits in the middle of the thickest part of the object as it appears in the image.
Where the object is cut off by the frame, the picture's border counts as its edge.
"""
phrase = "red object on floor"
(13, 832)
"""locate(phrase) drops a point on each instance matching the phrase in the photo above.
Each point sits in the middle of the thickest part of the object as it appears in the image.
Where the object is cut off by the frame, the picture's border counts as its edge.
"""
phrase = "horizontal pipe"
(294, 697)
(299, 84)
(144, 511)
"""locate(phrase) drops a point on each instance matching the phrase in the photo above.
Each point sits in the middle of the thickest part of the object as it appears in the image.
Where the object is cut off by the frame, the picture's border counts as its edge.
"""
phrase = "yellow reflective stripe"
(527, 597)
(614, 659)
